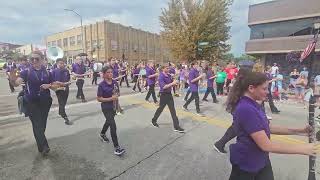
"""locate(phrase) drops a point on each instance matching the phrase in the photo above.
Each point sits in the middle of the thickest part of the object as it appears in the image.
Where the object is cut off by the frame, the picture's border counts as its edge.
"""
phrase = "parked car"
(2, 63)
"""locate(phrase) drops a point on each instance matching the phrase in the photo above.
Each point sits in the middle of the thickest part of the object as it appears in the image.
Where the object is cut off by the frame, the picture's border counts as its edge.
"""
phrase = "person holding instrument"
(37, 98)
(79, 71)
(249, 156)
(107, 98)
(62, 75)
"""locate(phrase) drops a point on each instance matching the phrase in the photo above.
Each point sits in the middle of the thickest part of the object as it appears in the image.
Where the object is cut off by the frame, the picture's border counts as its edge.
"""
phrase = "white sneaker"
(269, 117)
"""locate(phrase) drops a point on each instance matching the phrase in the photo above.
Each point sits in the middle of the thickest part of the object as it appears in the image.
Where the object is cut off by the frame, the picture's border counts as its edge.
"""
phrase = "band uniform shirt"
(79, 68)
(150, 71)
(194, 73)
(249, 118)
(164, 79)
(105, 90)
(115, 70)
(61, 75)
(210, 74)
(34, 79)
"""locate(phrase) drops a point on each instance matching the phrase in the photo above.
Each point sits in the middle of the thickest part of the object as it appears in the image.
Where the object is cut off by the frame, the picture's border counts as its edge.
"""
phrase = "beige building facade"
(104, 40)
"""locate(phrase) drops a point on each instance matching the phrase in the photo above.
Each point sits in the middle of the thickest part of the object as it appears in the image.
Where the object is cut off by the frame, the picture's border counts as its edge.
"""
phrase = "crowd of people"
(246, 92)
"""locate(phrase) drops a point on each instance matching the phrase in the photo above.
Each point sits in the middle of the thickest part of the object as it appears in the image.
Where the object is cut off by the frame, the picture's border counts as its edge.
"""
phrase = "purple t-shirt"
(105, 90)
(210, 81)
(115, 70)
(150, 71)
(172, 70)
(61, 75)
(164, 80)
(11, 67)
(78, 68)
(249, 118)
(194, 73)
(23, 67)
(34, 79)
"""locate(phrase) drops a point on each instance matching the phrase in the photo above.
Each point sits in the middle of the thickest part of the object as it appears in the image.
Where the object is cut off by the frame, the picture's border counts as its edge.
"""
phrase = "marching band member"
(172, 71)
(10, 69)
(95, 71)
(151, 81)
(107, 98)
(124, 71)
(79, 71)
(62, 75)
(210, 79)
(166, 83)
(37, 97)
(136, 79)
(194, 79)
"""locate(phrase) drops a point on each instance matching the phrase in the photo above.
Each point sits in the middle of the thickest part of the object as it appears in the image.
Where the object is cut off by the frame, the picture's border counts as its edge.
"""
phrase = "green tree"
(186, 23)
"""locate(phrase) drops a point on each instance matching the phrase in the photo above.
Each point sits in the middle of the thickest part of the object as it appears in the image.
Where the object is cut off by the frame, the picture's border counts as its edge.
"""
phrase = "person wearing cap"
(61, 74)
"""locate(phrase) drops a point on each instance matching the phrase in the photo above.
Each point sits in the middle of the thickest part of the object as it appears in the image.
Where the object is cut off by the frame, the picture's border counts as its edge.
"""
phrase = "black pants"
(11, 87)
(79, 84)
(220, 88)
(136, 84)
(210, 90)
(38, 114)
(194, 96)
(264, 174)
(110, 122)
(62, 100)
(124, 78)
(95, 76)
(151, 92)
(270, 100)
(167, 99)
(228, 85)
(187, 95)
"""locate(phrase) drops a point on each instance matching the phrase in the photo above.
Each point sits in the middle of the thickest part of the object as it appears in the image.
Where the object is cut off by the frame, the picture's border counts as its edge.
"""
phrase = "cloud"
(30, 21)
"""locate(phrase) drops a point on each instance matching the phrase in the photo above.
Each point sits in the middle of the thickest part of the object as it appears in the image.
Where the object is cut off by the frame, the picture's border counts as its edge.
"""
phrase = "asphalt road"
(152, 154)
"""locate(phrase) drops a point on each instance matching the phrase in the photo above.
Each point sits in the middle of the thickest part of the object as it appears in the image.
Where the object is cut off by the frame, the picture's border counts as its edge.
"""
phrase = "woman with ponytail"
(249, 156)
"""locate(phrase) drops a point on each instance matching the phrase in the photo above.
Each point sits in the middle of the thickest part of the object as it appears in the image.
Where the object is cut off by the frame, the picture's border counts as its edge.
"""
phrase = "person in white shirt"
(274, 69)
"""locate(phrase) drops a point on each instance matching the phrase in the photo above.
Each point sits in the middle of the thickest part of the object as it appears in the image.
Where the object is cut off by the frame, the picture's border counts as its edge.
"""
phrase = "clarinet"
(115, 91)
(312, 137)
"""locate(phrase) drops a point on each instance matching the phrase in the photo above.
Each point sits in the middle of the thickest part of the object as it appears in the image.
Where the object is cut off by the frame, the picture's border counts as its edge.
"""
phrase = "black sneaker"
(66, 121)
(215, 101)
(104, 138)
(219, 149)
(185, 108)
(45, 151)
(179, 129)
(84, 101)
(119, 151)
(206, 100)
(155, 124)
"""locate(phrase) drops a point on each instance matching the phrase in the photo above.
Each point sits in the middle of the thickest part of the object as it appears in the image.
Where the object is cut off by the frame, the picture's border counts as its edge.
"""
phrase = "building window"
(114, 45)
(101, 43)
(79, 39)
(49, 44)
(94, 43)
(72, 41)
(59, 43)
(54, 43)
(65, 42)
(88, 44)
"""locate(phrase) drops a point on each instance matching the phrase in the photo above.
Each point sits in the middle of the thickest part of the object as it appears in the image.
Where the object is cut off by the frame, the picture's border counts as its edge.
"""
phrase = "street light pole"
(82, 39)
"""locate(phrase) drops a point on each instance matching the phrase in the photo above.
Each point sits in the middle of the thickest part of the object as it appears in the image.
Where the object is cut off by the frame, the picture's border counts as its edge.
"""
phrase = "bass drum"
(97, 67)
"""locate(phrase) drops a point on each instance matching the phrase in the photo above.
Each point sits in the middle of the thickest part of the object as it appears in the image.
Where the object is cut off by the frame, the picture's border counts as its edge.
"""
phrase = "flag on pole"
(309, 49)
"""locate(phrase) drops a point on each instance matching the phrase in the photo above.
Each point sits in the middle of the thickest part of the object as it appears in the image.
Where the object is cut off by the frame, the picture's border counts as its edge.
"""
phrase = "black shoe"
(219, 149)
(206, 100)
(45, 151)
(215, 101)
(84, 101)
(78, 97)
(185, 108)
(275, 112)
(155, 124)
(179, 129)
(104, 138)
(66, 121)
(119, 151)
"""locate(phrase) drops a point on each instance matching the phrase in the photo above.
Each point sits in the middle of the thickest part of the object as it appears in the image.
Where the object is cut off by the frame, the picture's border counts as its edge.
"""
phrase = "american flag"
(309, 49)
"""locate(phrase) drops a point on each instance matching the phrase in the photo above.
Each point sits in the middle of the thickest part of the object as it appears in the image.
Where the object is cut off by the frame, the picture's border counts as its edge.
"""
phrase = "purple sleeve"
(24, 74)
(161, 82)
(73, 68)
(99, 93)
(191, 75)
(248, 120)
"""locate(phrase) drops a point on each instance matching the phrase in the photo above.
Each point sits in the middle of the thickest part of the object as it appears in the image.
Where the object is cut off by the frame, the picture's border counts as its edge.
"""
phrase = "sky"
(29, 21)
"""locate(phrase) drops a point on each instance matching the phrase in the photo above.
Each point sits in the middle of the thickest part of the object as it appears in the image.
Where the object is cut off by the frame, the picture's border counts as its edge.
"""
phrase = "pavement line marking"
(67, 107)
(217, 122)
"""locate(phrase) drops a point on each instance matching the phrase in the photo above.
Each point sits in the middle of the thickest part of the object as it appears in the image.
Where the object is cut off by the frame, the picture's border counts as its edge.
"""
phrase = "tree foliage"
(185, 23)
